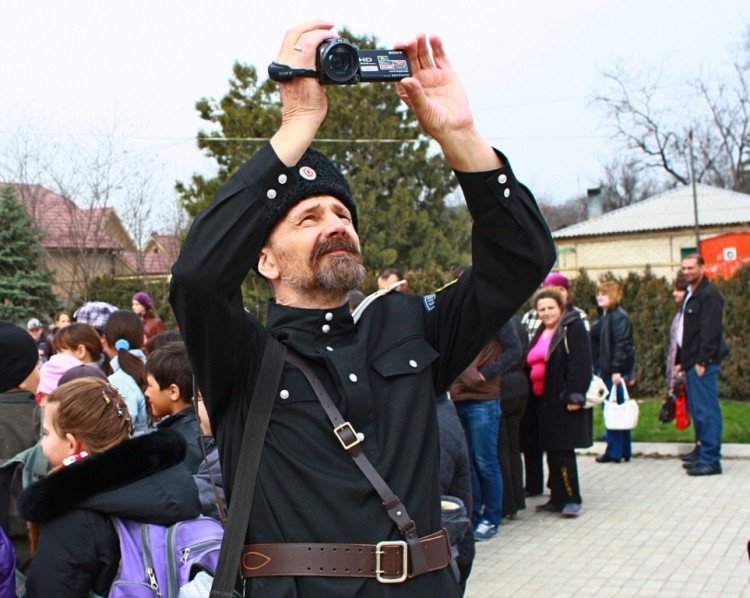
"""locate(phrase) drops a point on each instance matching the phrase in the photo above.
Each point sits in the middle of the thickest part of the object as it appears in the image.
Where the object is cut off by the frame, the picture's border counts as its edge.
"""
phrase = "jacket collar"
(119, 466)
(704, 282)
(187, 415)
(558, 336)
(308, 329)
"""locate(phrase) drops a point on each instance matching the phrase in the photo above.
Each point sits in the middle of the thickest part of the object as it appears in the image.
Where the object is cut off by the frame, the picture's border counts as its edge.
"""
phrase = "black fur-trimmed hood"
(109, 481)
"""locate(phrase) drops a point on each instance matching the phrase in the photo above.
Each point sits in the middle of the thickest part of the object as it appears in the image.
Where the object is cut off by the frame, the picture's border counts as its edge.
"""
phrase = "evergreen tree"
(25, 287)
(734, 378)
(399, 185)
(649, 303)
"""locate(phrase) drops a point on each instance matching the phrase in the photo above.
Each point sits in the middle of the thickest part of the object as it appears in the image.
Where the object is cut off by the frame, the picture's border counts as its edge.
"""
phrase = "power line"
(323, 140)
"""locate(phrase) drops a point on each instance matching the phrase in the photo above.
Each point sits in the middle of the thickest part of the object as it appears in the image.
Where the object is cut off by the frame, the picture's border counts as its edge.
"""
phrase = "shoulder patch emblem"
(429, 302)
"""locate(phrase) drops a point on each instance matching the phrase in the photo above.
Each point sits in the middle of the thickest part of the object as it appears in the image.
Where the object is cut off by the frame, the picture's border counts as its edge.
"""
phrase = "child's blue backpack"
(155, 561)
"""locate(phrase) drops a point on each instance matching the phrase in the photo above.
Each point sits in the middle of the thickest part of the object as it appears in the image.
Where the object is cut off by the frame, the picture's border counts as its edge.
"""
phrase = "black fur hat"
(316, 175)
(18, 355)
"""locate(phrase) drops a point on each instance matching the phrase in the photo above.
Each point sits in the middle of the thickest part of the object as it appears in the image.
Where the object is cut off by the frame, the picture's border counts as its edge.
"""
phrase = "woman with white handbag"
(613, 353)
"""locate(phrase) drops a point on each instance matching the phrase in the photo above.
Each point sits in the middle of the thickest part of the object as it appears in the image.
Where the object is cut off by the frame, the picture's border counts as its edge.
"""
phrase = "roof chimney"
(594, 202)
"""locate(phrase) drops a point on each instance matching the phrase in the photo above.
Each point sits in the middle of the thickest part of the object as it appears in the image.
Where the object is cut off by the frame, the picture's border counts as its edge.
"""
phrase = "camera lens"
(339, 61)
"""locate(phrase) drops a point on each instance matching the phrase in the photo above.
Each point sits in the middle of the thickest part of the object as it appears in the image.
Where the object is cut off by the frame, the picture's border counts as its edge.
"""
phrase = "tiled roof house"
(78, 244)
(156, 259)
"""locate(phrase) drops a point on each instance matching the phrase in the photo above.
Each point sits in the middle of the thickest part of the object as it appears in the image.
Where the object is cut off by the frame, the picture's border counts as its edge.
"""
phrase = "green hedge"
(649, 303)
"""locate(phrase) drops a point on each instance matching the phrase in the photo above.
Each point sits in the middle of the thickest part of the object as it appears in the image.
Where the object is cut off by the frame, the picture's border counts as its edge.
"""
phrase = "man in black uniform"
(289, 214)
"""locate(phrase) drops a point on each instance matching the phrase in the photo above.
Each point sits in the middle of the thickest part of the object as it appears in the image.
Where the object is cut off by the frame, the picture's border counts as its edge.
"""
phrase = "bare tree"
(560, 215)
(723, 145)
(708, 125)
(91, 175)
(626, 183)
(643, 127)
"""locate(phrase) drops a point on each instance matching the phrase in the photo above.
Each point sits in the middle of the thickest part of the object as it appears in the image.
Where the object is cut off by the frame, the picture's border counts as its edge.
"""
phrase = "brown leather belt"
(388, 561)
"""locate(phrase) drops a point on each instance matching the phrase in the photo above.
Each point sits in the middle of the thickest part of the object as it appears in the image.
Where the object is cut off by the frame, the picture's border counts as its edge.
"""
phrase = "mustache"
(336, 244)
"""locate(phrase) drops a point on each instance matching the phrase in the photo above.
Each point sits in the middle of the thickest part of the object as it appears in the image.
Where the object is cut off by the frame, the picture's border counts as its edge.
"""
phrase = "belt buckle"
(404, 561)
(347, 427)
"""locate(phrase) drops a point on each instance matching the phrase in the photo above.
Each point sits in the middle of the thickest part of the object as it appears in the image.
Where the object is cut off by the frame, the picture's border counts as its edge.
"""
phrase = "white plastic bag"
(596, 392)
(623, 416)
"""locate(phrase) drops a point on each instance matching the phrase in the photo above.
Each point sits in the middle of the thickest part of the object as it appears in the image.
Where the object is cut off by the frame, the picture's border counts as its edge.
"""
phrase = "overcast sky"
(530, 67)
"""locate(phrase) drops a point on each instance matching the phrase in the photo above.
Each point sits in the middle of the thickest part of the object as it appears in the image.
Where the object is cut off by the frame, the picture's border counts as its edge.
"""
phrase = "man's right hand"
(303, 99)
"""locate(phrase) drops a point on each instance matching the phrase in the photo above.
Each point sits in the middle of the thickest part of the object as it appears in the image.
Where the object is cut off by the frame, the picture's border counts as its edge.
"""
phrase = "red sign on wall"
(725, 253)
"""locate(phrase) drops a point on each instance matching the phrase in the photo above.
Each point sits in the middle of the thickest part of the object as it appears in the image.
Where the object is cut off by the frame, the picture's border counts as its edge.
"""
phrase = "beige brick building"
(656, 232)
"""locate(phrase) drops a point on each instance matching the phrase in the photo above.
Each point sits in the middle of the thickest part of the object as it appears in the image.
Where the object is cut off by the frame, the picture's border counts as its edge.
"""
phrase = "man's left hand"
(700, 370)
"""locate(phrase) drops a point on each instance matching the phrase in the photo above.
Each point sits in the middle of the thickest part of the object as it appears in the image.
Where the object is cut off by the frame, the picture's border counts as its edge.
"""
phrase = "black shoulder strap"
(266, 384)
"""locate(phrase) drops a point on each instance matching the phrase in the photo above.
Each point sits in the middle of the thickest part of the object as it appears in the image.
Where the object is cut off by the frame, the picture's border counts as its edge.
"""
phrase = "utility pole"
(695, 194)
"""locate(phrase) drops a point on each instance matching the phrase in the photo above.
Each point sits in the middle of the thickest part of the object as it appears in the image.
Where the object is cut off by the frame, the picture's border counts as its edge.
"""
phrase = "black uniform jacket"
(78, 551)
(701, 329)
(382, 372)
(568, 374)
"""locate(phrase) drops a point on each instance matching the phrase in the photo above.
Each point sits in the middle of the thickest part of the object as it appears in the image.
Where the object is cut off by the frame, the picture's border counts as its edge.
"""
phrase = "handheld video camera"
(339, 62)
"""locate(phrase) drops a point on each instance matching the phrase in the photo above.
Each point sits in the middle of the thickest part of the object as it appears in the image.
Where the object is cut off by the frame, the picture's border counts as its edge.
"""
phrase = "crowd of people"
(442, 405)
(118, 404)
(522, 396)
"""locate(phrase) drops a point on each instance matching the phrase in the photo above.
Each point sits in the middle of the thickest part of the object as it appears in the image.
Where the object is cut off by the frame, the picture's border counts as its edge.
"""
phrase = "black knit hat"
(316, 175)
(18, 355)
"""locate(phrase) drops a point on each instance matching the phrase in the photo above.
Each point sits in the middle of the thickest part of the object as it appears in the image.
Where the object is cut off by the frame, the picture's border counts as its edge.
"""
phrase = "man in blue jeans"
(701, 350)
(476, 395)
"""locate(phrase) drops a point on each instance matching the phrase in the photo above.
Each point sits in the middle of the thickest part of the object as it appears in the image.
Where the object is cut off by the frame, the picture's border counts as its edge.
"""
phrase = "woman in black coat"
(614, 358)
(559, 359)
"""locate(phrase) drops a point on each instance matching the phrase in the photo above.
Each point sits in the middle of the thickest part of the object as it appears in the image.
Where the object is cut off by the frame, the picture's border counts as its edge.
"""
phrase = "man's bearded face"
(334, 265)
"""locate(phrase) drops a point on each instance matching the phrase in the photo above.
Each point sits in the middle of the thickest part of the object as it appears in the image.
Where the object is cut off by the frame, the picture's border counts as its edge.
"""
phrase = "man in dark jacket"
(19, 377)
(288, 213)
(701, 350)
(455, 478)
(19, 425)
(476, 394)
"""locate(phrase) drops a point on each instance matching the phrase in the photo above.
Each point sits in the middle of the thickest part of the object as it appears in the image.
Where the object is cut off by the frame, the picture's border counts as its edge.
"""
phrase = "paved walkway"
(648, 529)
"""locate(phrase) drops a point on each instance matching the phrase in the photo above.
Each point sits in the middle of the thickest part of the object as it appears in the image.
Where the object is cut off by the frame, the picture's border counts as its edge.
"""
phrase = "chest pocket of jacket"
(410, 357)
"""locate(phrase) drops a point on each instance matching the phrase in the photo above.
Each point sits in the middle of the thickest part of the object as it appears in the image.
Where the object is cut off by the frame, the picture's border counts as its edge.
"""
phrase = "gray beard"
(340, 273)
